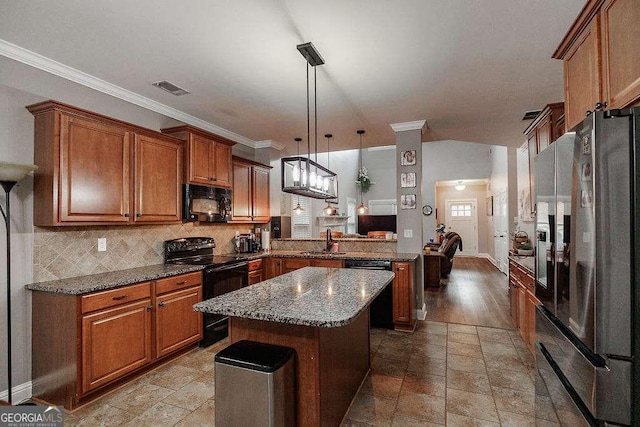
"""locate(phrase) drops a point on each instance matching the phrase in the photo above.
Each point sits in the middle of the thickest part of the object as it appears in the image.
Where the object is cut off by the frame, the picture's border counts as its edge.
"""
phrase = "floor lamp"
(10, 174)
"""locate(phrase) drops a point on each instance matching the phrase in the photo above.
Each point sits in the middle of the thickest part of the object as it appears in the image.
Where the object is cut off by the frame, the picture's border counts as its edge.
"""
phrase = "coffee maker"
(246, 243)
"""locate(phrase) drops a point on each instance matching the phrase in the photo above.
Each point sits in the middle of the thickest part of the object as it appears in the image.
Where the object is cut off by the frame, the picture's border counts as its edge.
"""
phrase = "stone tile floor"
(443, 374)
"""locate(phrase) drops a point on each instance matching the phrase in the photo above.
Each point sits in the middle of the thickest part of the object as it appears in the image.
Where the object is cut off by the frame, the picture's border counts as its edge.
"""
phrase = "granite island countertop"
(311, 296)
(386, 256)
(81, 285)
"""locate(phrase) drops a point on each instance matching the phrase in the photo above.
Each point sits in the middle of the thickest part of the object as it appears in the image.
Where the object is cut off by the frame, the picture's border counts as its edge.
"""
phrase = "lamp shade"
(14, 172)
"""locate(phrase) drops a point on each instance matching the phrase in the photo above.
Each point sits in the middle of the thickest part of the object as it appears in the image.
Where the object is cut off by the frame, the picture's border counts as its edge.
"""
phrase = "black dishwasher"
(381, 309)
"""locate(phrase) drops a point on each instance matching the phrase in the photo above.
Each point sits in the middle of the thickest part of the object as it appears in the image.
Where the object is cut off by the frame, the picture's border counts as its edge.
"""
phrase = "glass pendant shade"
(362, 209)
(296, 174)
(14, 172)
(298, 209)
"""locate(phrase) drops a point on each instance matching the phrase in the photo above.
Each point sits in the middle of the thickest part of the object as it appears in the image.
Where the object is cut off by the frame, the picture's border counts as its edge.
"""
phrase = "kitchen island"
(322, 313)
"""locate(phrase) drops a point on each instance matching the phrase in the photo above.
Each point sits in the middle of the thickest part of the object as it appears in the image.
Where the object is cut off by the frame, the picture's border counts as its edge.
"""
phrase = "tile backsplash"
(59, 253)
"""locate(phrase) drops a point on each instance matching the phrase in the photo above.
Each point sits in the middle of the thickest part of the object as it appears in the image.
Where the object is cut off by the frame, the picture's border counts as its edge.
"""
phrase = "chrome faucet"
(329, 241)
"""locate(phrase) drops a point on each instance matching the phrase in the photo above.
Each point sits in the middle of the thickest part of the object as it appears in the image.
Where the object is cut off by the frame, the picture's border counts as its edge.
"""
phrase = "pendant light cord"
(315, 110)
(308, 119)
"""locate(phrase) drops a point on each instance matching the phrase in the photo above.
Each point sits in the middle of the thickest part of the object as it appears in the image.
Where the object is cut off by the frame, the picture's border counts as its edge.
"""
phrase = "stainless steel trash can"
(255, 385)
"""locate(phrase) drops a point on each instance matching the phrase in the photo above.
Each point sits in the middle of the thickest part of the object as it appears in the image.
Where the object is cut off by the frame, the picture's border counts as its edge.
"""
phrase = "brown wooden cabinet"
(601, 58)
(250, 191)
(99, 338)
(523, 303)
(98, 170)
(177, 325)
(115, 334)
(403, 295)
(273, 267)
(157, 174)
(255, 271)
(207, 157)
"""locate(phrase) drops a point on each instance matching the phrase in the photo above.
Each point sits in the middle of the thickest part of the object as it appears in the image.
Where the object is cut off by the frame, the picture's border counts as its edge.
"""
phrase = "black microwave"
(206, 204)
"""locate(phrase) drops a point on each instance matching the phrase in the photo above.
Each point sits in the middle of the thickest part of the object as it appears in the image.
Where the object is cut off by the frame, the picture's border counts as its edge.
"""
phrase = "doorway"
(462, 217)
(501, 231)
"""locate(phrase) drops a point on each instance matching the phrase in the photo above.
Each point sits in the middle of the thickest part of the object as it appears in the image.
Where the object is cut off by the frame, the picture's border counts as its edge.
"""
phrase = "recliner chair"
(452, 241)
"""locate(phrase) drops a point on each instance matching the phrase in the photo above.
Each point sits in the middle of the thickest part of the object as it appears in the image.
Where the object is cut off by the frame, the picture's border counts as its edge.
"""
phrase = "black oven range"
(221, 274)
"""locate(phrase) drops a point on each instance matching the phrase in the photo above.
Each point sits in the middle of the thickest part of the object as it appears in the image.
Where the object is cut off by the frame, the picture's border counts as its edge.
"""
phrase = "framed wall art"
(408, 158)
(408, 201)
(408, 179)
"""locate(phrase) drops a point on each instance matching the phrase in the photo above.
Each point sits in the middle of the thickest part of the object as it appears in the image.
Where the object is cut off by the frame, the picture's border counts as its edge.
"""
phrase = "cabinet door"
(241, 192)
(530, 315)
(291, 264)
(402, 294)
(274, 267)
(523, 325)
(157, 175)
(255, 276)
(222, 165)
(513, 299)
(621, 52)
(260, 194)
(177, 325)
(544, 133)
(95, 183)
(329, 263)
(115, 342)
(201, 155)
(582, 75)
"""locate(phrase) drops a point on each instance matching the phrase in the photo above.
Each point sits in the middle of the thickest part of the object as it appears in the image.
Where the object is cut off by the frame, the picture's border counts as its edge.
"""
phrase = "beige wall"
(478, 192)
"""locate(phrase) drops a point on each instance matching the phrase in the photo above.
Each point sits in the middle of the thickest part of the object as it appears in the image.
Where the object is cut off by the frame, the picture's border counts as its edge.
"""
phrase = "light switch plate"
(102, 244)
(408, 234)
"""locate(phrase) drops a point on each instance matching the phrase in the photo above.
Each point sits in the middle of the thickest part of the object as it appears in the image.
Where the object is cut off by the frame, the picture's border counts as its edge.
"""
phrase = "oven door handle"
(237, 265)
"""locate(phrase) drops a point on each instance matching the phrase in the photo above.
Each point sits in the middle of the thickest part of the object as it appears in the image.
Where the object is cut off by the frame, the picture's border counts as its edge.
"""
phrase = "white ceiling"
(471, 68)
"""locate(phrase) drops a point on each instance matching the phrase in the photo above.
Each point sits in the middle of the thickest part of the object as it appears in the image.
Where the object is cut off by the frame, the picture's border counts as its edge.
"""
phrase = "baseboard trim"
(19, 393)
(421, 314)
(489, 257)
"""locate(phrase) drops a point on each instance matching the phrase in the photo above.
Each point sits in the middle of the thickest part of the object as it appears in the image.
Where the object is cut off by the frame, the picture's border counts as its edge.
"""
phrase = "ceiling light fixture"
(362, 208)
(301, 175)
(297, 176)
(460, 186)
(328, 210)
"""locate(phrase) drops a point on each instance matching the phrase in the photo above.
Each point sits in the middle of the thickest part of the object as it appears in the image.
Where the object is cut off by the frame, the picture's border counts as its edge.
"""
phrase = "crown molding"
(56, 68)
(420, 125)
(269, 144)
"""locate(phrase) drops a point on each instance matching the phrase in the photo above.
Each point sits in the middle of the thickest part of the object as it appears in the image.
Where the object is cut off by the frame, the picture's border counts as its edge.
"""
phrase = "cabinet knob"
(126, 215)
(149, 307)
(161, 304)
(182, 282)
(600, 106)
(120, 297)
(212, 179)
(138, 215)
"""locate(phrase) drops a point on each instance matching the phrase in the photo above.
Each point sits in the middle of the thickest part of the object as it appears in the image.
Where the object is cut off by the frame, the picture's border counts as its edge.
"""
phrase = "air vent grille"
(171, 88)
(531, 114)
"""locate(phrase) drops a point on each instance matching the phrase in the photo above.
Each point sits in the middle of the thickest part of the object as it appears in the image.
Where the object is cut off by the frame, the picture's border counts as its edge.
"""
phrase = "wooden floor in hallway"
(476, 293)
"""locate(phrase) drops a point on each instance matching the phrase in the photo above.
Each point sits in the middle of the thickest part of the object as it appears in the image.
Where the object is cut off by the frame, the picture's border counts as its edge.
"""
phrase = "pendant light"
(362, 209)
(301, 175)
(298, 173)
(328, 210)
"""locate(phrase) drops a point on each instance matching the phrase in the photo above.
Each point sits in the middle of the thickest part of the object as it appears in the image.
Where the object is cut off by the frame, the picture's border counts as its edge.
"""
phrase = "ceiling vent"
(171, 88)
(531, 114)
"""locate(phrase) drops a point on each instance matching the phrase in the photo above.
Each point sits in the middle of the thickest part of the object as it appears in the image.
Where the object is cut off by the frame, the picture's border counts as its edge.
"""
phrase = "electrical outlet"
(408, 234)
(102, 244)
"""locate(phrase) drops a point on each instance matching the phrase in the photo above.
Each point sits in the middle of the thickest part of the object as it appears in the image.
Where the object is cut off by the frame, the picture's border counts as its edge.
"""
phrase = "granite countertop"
(391, 256)
(311, 296)
(527, 262)
(98, 282)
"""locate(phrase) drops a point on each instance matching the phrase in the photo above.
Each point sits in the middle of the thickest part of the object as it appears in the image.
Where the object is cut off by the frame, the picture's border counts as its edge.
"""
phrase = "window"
(301, 227)
(351, 213)
(461, 209)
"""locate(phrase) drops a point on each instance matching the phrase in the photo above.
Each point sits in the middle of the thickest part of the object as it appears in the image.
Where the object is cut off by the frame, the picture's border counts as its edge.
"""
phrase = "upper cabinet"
(545, 128)
(97, 170)
(601, 58)
(207, 156)
(250, 191)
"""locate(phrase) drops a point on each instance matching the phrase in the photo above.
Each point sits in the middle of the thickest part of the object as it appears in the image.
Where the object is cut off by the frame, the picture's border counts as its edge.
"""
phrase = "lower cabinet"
(403, 295)
(99, 338)
(255, 271)
(523, 303)
(273, 267)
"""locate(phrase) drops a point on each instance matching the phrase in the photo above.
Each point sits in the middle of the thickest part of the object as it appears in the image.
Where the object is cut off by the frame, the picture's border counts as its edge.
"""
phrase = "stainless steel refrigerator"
(587, 198)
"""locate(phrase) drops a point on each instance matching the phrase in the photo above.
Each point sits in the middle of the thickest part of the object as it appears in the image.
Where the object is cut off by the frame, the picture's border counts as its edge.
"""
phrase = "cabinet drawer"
(256, 264)
(290, 264)
(330, 263)
(115, 297)
(178, 282)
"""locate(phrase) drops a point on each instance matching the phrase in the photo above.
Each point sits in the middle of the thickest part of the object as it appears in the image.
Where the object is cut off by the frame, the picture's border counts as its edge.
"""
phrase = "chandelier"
(301, 175)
